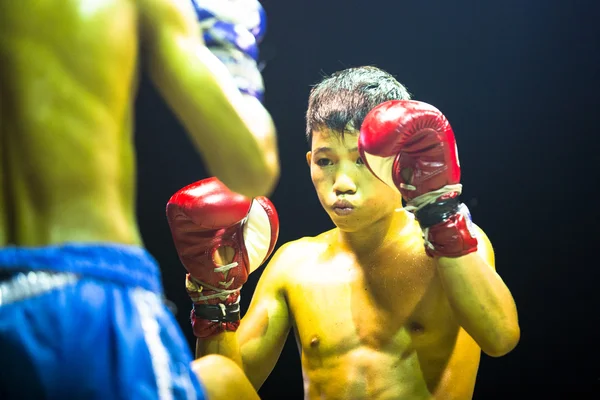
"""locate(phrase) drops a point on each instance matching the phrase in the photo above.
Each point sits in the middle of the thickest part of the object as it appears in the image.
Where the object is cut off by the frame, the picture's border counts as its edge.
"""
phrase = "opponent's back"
(67, 81)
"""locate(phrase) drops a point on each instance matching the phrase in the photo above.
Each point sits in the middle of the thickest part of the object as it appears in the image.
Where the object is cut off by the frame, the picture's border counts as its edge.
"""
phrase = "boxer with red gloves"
(206, 217)
(410, 145)
(375, 312)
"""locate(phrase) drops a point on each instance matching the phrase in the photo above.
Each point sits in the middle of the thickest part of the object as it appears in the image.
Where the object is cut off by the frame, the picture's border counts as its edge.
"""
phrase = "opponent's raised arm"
(215, 88)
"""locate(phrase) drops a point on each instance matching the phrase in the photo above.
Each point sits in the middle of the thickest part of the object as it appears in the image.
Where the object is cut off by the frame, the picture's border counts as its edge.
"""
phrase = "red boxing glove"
(410, 145)
(204, 217)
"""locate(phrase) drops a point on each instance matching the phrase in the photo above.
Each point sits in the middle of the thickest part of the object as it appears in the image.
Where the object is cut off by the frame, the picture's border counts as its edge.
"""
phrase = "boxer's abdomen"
(68, 80)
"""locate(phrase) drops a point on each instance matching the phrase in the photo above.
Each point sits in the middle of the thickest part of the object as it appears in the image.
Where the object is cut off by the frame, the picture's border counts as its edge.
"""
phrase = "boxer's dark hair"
(341, 102)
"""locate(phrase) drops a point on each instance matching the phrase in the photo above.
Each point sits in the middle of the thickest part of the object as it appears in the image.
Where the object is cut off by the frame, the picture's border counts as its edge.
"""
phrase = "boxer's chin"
(349, 221)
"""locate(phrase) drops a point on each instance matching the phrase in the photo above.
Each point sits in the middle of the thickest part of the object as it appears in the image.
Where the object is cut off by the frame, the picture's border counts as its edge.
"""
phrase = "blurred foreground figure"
(81, 301)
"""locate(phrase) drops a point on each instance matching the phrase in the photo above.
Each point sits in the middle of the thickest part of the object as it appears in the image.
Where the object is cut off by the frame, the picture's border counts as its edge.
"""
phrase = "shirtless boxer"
(394, 302)
(81, 310)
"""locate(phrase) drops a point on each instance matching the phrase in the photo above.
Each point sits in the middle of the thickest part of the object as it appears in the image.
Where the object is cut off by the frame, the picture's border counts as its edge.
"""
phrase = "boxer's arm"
(481, 301)
(263, 330)
(233, 132)
(223, 379)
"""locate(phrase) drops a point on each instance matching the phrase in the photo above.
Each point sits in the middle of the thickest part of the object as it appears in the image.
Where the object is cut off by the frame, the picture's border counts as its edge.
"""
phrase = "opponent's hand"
(410, 145)
(232, 30)
(206, 218)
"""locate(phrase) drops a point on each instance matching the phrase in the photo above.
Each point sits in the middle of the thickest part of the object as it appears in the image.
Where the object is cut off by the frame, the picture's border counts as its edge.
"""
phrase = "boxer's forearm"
(225, 344)
(234, 134)
(256, 357)
(481, 302)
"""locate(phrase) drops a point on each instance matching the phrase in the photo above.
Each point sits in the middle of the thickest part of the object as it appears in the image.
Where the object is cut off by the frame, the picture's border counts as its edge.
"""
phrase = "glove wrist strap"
(445, 221)
(438, 212)
(218, 312)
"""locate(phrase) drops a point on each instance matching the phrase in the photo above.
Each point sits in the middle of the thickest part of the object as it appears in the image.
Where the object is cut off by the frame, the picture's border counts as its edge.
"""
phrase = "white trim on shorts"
(149, 305)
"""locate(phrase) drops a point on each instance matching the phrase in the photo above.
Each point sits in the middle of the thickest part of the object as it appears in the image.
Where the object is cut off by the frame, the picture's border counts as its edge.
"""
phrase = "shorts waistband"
(124, 264)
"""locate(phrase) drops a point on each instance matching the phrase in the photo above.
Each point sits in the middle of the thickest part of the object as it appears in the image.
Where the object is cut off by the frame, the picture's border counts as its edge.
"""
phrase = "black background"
(518, 81)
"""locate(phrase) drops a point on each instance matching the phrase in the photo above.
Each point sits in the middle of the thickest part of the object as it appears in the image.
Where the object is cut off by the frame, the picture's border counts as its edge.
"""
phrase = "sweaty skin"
(67, 87)
(367, 306)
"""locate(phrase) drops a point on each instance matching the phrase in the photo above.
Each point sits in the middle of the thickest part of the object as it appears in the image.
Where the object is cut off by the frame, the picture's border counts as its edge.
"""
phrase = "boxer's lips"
(343, 207)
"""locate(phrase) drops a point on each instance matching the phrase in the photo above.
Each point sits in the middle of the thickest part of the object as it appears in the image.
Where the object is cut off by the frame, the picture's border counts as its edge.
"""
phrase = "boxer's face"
(351, 195)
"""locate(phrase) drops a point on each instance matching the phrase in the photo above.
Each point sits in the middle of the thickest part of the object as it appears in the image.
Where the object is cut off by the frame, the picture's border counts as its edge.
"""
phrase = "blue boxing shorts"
(89, 322)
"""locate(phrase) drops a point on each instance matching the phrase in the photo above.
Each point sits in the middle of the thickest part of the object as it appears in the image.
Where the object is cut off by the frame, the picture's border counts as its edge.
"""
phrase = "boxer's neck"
(375, 237)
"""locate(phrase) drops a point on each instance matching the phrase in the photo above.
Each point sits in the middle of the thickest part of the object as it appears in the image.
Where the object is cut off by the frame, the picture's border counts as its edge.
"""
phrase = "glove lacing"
(194, 285)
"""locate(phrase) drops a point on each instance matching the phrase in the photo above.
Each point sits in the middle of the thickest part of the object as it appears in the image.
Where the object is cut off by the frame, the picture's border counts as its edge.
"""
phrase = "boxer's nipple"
(314, 342)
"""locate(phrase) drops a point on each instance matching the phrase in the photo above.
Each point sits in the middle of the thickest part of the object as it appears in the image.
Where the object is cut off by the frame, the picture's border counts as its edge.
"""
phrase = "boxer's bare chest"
(391, 301)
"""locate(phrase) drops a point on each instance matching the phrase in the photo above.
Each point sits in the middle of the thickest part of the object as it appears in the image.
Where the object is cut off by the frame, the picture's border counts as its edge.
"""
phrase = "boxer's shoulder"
(295, 254)
(295, 251)
(310, 246)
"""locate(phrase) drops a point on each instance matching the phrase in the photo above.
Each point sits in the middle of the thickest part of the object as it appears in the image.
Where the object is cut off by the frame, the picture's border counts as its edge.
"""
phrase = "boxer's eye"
(323, 162)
